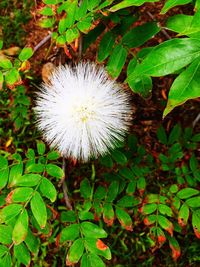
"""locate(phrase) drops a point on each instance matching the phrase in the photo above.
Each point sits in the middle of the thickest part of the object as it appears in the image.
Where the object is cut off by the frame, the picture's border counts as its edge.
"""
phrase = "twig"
(196, 120)
(64, 186)
(42, 42)
(162, 30)
(80, 46)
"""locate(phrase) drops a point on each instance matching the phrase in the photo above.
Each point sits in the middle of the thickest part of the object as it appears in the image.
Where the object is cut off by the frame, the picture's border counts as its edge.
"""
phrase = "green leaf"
(5, 63)
(197, 5)
(82, 10)
(69, 233)
(173, 188)
(5, 235)
(4, 172)
(21, 194)
(54, 171)
(131, 188)
(22, 254)
(140, 34)
(1, 44)
(89, 229)
(48, 189)
(26, 180)
(6, 260)
(32, 242)
(68, 216)
(62, 25)
(167, 58)
(186, 86)
(85, 215)
(53, 155)
(183, 215)
(96, 246)
(91, 259)
(85, 188)
(196, 138)
(76, 251)
(46, 11)
(20, 230)
(26, 53)
(41, 147)
(106, 161)
(141, 85)
(174, 134)
(141, 183)
(117, 60)
(193, 28)
(92, 35)
(149, 208)
(119, 157)
(9, 212)
(1, 79)
(3, 250)
(162, 136)
(126, 201)
(36, 167)
(85, 24)
(165, 210)
(100, 193)
(187, 193)
(92, 4)
(165, 224)
(47, 22)
(179, 23)
(71, 13)
(193, 163)
(150, 219)
(131, 66)
(172, 3)
(127, 173)
(50, 2)
(60, 40)
(124, 219)
(108, 214)
(196, 222)
(71, 35)
(193, 202)
(128, 3)
(38, 209)
(30, 153)
(152, 198)
(113, 190)
(15, 173)
(105, 46)
(12, 76)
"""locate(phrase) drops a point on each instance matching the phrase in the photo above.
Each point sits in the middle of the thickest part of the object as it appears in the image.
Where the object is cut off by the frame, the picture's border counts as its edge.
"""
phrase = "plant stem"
(64, 186)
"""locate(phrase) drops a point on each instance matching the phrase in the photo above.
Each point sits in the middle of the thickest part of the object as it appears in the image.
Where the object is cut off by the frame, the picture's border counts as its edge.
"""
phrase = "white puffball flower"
(82, 112)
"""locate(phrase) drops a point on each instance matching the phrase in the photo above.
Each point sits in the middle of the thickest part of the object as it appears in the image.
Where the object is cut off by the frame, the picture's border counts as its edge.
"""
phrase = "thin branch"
(162, 30)
(64, 186)
(196, 120)
(80, 46)
(42, 42)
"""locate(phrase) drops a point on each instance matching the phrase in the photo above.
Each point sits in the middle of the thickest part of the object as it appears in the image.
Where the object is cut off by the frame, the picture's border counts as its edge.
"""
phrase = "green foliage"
(120, 40)
(139, 199)
(131, 194)
(13, 16)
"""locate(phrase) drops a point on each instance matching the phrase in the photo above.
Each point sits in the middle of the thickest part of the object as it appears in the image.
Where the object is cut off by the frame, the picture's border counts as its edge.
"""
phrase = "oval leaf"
(92, 230)
(20, 230)
(48, 189)
(38, 209)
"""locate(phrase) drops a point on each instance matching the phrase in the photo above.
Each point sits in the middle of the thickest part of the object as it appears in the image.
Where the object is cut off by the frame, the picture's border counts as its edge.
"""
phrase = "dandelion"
(81, 112)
